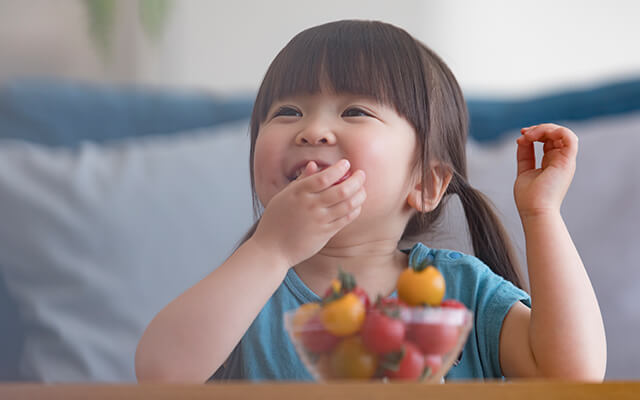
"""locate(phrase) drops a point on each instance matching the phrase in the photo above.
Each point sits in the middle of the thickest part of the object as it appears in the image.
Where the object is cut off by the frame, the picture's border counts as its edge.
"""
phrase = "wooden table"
(520, 390)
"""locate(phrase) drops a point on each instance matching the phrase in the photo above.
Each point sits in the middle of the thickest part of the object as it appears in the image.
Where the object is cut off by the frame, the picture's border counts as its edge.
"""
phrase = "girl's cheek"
(266, 171)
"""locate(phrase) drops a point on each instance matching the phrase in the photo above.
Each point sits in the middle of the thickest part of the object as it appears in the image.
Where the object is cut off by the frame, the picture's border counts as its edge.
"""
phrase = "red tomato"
(433, 338)
(381, 333)
(384, 302)
(315, 338)
(433, 362)
(452, 303)
(358, 291)
(411, 365)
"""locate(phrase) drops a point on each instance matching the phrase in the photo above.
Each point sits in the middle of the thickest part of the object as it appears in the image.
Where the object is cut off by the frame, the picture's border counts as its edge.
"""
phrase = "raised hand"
(299, 220)
(541, 190)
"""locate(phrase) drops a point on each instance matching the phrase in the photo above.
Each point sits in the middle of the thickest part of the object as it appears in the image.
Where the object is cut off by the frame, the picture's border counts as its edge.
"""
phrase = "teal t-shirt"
(266, 353)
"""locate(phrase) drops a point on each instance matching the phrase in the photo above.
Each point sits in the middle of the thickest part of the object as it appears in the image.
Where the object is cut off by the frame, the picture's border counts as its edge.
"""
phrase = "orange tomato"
(352, 360)
(344, 316)
(421, 287)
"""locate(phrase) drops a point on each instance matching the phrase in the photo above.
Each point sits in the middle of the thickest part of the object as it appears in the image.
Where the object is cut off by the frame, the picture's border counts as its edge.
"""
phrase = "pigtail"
(491, 244)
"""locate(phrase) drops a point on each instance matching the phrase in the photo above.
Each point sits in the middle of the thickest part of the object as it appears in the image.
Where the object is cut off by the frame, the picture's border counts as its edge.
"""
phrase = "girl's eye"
(355, 112)
(287, 112)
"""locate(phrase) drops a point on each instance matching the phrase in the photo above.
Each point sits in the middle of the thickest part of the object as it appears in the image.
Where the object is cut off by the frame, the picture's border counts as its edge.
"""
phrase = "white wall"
(229, 45)
(509, 47)
(39, 37)
(497, 47)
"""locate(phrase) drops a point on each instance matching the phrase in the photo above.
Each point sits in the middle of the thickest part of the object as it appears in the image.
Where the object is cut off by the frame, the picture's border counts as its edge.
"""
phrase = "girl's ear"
(440, 177)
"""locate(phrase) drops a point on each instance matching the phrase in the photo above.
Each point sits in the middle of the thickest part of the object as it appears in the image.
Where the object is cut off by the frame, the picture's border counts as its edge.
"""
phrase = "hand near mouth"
(300, 220)
(312, 167)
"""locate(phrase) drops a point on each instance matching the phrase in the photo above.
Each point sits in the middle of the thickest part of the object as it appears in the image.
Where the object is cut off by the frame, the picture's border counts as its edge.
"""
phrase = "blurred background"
(124, 175)
(495, 47)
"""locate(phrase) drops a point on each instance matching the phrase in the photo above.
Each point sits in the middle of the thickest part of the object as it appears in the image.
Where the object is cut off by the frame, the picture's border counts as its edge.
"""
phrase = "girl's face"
(326, 127)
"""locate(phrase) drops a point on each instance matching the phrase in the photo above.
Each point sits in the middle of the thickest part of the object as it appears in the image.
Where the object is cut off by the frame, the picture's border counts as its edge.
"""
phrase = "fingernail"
(345, 163)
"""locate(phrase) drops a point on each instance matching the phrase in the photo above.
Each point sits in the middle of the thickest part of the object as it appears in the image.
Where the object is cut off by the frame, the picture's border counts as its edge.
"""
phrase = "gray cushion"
(95, 241)
(601, 211)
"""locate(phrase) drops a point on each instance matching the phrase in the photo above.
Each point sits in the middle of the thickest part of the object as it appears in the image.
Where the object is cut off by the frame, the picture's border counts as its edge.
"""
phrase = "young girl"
(357, 139)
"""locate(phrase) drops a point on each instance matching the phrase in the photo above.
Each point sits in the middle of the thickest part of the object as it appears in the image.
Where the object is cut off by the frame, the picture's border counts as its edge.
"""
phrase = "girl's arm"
(562, 335)
(192, 336)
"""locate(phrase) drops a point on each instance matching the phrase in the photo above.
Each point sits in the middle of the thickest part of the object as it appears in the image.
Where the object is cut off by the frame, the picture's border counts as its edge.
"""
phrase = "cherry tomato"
(433, 362)
(344, 316)
(411, 365)
(433, 338)
(382, 333)
(452, 303)
(315, 338)
(336, 289)
(419, 287)
(352, 360)
(364, 297)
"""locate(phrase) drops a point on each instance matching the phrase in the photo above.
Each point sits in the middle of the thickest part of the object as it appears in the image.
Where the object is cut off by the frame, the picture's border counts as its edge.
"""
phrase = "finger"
(544, 132)
(525, 155)
(327, 177)
(523, 130)
(345, 220)
(309, 169)
(347, 206)
(552, 145)
(558, 136)
(548, 146)
(344, 190)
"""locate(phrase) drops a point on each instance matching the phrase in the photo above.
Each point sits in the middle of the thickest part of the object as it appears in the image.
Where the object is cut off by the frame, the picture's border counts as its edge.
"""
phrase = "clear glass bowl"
(436, 333)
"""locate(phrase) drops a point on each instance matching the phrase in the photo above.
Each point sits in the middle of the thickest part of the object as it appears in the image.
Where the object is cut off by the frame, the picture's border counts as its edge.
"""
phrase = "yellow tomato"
(302, 315)
(344, 316)
(421, 287)
(352, 360)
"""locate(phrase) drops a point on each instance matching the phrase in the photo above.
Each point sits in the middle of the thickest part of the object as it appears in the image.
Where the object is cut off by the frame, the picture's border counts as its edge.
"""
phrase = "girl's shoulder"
(446, 259)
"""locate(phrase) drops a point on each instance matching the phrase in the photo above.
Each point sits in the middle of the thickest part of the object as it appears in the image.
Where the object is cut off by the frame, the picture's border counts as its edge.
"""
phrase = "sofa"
(116, 198)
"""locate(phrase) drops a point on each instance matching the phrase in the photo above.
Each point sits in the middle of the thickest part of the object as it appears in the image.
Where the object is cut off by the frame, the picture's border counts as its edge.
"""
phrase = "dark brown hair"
(384, 62)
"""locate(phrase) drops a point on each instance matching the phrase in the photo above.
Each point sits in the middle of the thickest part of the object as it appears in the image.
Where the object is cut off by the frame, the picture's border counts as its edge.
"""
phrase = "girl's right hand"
(300, 220)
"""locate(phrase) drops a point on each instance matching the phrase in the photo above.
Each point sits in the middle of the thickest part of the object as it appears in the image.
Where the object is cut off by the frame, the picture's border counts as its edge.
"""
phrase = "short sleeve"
(494, 299)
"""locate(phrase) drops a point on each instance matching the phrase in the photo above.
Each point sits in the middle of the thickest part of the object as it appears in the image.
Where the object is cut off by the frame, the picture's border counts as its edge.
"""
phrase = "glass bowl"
(432, 340)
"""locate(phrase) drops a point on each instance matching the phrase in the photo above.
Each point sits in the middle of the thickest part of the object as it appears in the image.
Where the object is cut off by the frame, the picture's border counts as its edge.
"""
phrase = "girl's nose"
(314, 136)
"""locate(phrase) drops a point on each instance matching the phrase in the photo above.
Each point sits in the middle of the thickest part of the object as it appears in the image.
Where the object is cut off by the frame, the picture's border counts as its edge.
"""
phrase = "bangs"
(366, 58)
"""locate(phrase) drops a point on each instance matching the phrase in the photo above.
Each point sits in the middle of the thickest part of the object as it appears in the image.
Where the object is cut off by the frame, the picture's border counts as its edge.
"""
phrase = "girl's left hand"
(541, 190)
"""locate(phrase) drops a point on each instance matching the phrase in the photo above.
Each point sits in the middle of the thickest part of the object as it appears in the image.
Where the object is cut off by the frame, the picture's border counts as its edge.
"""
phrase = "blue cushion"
(65, 113)
(489, 119)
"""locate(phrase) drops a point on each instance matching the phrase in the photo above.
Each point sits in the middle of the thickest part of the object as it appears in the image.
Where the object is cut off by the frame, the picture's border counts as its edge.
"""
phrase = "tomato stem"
(422, 266)
(347, 281)
(391, 361)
